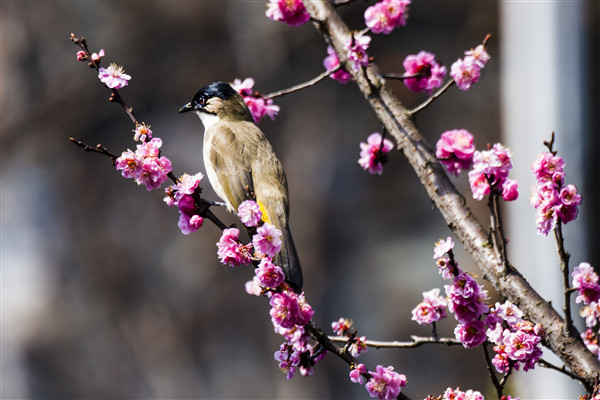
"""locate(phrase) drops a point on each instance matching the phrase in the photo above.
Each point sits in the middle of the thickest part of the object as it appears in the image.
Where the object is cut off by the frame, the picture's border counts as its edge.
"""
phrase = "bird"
(240, 164)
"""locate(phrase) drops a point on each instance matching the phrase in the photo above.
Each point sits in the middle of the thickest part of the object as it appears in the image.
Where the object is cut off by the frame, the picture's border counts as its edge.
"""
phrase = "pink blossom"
(500, 360)
(97, 56)
(269, 275)
(189, 223)
(590, 338)
(466, 298)
(249, 213)
(142, 132)
(455, 150)
(430, 72)
(231, 251)
(386, 15)
(258, 105)
(446, 268)
(479, 56)
(129, 164)
(490, 172)
(356, 374)
(510, 190)
(292, 12)
(253, 287)
(479, 185)
(114, 76)
(284, 309)
(471, 334)
(442, 247)
(591, 313)
(465, 73)
(267, 240)
(385, 383)
(357, 47)
(373, 153)
(341, 326)
(509, 313)
(519, 345)
(331, 62)
(81, 55)
(358, 346)
(585, 280)
(284, 356)
(548, 168)
(431, 309)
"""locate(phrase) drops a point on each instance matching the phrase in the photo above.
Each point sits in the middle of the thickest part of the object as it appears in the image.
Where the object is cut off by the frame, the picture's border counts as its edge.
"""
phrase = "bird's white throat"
(208, 120)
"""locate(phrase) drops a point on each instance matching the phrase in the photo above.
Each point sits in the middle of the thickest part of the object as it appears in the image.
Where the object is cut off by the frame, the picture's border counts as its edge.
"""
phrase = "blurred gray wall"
(102, 297)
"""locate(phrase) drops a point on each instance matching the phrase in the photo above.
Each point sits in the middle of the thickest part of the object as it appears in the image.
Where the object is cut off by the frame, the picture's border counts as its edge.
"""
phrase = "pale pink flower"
(442, 247)
(548, 168)
(386, 15)
(231, 251)
(253, 287)
(249, 213)
(267, 240)
(479, 56)
(585, 280)
(358, 346)
(114, 76)
(142, 132)
(98, 55)
(373, 153)
(129, 164)
(341, 326)
(431, 73)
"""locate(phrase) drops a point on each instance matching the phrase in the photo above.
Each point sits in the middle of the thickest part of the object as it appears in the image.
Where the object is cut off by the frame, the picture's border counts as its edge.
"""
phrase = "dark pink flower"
(114, 76)
(585, 280)
(356, 374)
(330, 62)
(373, 153)
(341, 326)
(455, 150)
(466, 298)
(471, 334)
(431, 73)
(548, 168)
(292, 12)
(81, 56)
(284, 309)
(269, 275)
(385, 383)
(510, 190)
(258, 105)
(129, 164)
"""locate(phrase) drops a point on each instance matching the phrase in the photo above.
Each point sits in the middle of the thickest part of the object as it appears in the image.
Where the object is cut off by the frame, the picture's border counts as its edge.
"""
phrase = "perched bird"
(239, 160)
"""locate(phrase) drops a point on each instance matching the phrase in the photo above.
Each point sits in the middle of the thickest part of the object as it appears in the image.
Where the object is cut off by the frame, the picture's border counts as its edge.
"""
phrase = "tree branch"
(451, 204)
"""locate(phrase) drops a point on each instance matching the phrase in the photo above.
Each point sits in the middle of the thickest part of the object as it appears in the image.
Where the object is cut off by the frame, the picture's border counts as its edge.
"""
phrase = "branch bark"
(452, 205)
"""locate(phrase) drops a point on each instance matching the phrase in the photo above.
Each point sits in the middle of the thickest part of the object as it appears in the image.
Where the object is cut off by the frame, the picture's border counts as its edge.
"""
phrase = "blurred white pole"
(541, 63)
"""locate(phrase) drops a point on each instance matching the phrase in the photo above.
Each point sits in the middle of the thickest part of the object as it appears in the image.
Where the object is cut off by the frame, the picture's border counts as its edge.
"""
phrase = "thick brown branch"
(451, 204)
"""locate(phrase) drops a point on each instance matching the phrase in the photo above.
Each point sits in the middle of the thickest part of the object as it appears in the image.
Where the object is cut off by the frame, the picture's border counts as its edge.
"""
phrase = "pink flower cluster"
(516, 341)
(490, 172)
(357, 47)
(258, 105)
(331, 62)
(585, 280)
(292, 12)
(146, 165)
(384, 16)
(142, 132)
(466, 71)
(457, 394)
(83, 56)
(373, 153)
(553, 201)
(467, 300)
(114, 76)
(455, 150)
(180, 195)
(290, 313)
(431, 309)
(428, 73)
(249, 213)
(342, 327)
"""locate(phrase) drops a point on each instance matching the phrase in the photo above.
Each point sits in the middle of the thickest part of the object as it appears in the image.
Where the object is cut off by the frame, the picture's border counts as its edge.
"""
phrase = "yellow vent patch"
(265, 217)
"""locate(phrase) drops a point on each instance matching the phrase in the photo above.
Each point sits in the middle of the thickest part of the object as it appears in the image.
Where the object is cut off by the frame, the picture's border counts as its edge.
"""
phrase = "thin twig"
(303, 85)
(563, 258)
(543, 363)
(416, 341)
(94, 149)
(490, 368)
(430, 100)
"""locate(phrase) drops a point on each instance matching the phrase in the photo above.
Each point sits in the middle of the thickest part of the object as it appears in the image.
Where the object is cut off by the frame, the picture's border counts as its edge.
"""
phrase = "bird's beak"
(186, 108)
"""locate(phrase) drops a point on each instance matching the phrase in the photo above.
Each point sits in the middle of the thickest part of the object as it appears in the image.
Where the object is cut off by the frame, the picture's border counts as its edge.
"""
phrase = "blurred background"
(103, 297)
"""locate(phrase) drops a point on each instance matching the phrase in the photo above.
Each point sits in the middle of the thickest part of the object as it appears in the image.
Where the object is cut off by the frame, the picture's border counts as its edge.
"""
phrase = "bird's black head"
(219, 89)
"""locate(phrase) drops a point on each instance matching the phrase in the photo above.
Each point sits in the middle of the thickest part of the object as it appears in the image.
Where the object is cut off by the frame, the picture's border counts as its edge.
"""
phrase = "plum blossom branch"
(94, 149)
(451, 204)
(490, 368)
(303, 85)
(416, 341)
(433, 97)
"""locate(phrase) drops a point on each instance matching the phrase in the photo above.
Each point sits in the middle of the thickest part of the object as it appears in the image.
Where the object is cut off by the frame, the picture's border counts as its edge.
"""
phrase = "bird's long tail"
(288, 260)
